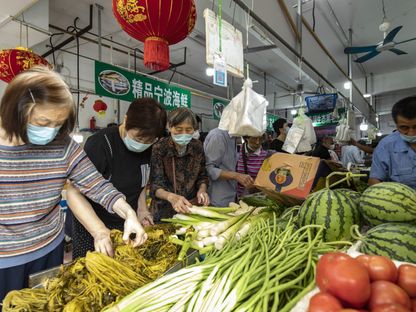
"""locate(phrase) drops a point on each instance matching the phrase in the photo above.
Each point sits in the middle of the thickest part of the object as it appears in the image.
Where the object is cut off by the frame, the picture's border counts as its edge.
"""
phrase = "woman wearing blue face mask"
(179, 178)
(122, 155)
(37, 157)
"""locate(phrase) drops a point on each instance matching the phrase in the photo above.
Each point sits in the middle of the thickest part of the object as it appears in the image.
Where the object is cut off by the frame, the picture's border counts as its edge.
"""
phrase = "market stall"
(257, 255)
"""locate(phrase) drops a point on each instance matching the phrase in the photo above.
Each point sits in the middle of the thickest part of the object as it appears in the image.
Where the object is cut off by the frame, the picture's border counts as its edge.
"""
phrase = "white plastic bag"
(246, 113)
(343, 132)
(301, 125)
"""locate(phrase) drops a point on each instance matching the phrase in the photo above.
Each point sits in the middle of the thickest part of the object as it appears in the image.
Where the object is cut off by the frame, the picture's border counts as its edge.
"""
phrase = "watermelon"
(333, 209)
(355, 196)
(388, 202)
(394, 240)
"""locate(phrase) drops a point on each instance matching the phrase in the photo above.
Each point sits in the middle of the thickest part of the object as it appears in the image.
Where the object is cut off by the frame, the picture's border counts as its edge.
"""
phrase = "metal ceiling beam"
(72, 38)
(262, 23)
(259, 48)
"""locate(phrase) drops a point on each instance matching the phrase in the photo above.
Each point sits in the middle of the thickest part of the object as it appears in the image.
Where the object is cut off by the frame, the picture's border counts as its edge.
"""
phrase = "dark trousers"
(17, 277)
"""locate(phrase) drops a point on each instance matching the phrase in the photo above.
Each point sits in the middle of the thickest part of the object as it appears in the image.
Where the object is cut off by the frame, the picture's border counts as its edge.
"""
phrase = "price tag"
(220, 71)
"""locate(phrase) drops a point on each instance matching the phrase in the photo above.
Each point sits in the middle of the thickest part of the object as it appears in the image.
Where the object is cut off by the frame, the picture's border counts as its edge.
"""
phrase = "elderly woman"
(37, 157)
(178, 174)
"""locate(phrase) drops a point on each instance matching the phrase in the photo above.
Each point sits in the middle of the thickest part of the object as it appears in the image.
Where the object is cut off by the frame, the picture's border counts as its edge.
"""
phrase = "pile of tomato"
(365, 283)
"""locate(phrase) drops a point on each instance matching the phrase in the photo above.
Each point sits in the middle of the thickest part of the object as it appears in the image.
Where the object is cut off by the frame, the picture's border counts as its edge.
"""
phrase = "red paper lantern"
(100, 107)
(14, 61)
(157, 23)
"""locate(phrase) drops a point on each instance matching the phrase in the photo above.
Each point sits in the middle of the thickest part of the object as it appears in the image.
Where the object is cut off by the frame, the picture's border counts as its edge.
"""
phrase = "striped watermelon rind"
(333, 209)
(394, 240)
(388, 202)
(350, 193)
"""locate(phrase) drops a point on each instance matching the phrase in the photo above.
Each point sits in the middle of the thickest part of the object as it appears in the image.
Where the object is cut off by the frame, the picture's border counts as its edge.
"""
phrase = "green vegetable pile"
(268, 270)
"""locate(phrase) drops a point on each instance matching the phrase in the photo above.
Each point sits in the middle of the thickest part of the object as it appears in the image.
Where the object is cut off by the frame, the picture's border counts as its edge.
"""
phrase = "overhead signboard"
(117, 83)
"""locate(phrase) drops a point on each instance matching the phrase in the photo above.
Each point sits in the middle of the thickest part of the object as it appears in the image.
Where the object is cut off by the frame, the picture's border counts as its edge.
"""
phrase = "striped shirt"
(254, 162)
(31, 180)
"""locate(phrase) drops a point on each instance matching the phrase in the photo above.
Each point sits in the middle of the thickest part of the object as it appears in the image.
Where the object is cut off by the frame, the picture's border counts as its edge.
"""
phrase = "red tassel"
(156, 53)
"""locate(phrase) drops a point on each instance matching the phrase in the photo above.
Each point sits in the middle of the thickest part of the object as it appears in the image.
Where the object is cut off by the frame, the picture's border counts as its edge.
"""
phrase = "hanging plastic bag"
(302, 126)
(309, 137)
(246, 113)
(293, 139)
(351, 119)
(342, 132)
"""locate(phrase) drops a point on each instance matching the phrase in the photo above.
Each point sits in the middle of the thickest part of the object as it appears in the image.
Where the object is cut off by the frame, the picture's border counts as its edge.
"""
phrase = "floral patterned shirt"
(190, 172)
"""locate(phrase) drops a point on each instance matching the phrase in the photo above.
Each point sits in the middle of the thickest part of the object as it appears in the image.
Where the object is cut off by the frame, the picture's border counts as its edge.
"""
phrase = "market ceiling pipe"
(244, 7)
(72, 38)
(289, 19)
(309, 28)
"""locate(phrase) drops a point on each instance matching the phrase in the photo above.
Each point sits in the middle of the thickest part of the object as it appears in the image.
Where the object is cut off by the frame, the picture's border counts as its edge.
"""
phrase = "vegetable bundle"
(93, 282)
(209, 228)
(268, 270)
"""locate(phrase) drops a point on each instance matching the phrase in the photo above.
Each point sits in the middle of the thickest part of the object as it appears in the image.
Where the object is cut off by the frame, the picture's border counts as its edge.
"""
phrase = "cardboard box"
(289, 179)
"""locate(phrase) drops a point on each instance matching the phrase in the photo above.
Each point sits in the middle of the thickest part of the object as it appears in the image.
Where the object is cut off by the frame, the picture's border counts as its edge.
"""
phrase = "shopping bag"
(246, 113)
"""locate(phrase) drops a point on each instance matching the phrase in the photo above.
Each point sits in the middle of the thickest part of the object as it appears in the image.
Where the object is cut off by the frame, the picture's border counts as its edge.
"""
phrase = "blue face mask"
(182, 139)
(134, 146)
(409, 138)
(41, 135)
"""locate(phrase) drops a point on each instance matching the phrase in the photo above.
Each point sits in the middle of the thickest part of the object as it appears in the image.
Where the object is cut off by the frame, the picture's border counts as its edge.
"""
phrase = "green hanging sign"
(117, 83)
(217, 107)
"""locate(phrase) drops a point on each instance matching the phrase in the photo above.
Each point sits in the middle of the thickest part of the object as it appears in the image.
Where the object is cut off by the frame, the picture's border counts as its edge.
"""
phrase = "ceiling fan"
(299, 92)
(388, 44)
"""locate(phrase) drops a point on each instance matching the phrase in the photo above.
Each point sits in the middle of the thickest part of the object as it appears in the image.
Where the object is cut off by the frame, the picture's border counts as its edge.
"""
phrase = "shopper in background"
(122, 155)
(267, 140)
(322, 149)
(178, 175)
(281, 128)
(350, 154)
(37, 156)
(221, 161)
(249, 162)
(394, 159)
(362, 146)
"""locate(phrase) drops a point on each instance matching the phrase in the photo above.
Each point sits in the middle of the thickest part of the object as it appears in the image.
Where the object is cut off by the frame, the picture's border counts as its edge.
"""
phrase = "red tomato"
(345, 278)
(414, 305)
(364, 260)
(382, 269)
(324, 302)
(384, 293)
(390, 308)
(407, 279)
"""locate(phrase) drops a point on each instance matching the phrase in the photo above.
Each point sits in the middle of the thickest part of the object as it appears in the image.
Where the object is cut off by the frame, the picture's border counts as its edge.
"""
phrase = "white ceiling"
(363, 16)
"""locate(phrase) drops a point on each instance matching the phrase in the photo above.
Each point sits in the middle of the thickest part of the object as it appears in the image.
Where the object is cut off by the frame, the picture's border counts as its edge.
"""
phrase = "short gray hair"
(179, 115)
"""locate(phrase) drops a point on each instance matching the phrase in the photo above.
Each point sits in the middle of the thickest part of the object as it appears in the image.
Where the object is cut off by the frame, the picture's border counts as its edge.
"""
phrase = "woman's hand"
(179, 203)
(131, 223)
(132, 226)
(102, 242)
(145, 217)
(203, 198)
